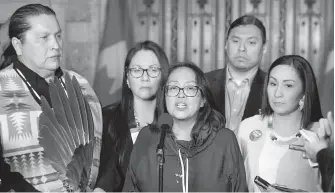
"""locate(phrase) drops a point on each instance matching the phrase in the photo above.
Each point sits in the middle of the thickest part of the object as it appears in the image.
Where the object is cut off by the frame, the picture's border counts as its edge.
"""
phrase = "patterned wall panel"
(196, 29)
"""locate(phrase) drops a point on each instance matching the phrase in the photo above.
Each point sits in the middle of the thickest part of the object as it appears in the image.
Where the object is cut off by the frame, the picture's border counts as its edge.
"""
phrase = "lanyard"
(31, 89)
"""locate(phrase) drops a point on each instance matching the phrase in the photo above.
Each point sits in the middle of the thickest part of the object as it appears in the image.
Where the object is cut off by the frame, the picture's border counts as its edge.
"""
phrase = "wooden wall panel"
(167, 27)
(194, 33)
(220, 34)
(182, 20)
(196, 29)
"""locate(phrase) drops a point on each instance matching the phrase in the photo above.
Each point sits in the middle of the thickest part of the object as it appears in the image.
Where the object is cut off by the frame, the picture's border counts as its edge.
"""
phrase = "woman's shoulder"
(111, 111)
(144, 140)
(225, 134)
(112, 107)
(224, 137)
(256, 122)
(146, 134)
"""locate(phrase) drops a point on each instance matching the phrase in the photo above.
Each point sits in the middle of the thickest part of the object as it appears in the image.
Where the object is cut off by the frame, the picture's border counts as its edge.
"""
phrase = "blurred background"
(98, 33)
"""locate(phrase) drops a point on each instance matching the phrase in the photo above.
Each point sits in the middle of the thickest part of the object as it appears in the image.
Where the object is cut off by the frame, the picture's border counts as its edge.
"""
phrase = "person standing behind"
(237, 88)
(145, 69)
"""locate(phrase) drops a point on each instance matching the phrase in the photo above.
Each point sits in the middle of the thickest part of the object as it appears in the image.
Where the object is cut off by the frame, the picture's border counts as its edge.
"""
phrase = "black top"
(325, 159)
(116, 148)
(37, 82)
(211, 163)
(12, 180)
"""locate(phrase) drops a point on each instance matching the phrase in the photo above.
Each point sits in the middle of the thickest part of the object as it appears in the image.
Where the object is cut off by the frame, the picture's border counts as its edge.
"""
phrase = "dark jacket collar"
(36, 81)
(254, 100)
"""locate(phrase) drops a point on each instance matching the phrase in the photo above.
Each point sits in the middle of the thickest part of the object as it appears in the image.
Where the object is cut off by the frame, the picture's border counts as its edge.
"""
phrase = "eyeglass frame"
(144, 70)
(196, 86)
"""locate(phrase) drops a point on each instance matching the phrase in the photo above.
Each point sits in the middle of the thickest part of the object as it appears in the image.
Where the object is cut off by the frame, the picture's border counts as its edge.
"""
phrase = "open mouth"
(181, 105)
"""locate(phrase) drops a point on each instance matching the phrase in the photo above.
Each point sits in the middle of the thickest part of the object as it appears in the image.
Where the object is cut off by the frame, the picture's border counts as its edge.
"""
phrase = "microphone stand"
(160, 160)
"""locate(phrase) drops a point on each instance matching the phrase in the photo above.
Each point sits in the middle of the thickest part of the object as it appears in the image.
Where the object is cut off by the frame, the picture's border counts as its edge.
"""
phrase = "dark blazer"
(12, 180)
(116, 146)
(325, 159)
(217, 82)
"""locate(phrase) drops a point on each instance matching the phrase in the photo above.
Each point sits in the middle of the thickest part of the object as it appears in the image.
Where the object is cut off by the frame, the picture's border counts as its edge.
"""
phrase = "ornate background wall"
(186, 29)
(195, 29)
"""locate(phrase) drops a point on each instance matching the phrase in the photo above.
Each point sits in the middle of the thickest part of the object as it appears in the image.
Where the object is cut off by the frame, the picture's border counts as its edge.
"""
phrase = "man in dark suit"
(237, 88)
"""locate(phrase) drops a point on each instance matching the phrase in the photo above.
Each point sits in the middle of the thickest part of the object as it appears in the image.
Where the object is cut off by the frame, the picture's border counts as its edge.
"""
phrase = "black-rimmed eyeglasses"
(189, 91)
(152, 72)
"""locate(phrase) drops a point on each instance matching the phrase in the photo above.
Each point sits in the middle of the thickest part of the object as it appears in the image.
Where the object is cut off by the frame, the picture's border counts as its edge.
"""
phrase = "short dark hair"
(209, 118)
(249, 20)
(19, 25)
(312, 108)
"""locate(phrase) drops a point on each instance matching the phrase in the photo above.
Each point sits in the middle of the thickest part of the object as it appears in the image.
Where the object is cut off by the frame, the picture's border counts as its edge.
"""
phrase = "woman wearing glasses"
(145, 68)
(200, 154)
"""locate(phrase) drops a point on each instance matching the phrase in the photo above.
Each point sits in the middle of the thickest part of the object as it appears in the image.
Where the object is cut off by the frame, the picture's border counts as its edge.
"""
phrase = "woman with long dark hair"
(201, 155)
(270, 141)
(145, 69)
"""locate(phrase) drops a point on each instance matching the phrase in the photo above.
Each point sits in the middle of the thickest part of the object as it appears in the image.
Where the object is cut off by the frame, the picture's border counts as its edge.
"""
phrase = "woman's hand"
(319, 142)
(326, 126)
(313, 146)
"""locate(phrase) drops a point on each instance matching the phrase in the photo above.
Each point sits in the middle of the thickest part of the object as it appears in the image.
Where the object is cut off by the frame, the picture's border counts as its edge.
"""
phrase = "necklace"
(32, 90)
(281, 140)
(137, 121)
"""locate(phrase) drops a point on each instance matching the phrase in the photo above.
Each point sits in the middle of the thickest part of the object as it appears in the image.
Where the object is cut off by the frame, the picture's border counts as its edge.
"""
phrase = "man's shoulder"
(212, 75)
(261, 73)
(85, 85)
(80, 78)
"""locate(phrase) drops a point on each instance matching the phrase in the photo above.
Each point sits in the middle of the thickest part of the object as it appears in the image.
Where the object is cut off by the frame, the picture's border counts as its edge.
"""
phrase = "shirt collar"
(37, 82)
(250, 77)
(32, 76)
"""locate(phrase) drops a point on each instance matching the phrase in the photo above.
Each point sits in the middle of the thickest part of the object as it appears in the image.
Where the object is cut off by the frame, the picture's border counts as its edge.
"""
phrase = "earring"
(301, 104)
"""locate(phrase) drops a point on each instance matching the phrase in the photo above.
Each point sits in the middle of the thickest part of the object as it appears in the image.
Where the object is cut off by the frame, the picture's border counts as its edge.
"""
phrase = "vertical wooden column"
(195, 34)
(223, 17)
(182, 30)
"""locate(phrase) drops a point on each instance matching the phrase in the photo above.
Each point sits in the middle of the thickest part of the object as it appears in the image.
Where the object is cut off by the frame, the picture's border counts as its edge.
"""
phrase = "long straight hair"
(312, 108)
(127, 100)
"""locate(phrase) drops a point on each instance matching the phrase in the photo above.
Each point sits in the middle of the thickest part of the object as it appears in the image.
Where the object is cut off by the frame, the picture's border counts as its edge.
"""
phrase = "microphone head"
(165, 120)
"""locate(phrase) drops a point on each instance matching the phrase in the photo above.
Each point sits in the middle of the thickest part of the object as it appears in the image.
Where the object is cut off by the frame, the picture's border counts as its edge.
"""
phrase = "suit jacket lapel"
(254, 101)
(219, 85)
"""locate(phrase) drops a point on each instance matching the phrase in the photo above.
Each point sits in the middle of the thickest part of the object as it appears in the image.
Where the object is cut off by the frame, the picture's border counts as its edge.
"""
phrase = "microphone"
(164, 123)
